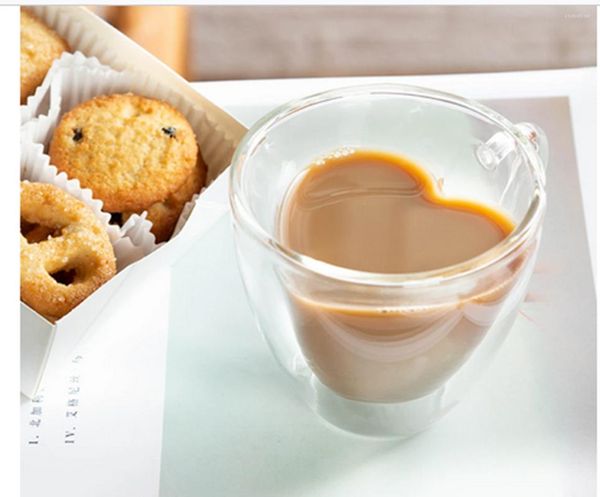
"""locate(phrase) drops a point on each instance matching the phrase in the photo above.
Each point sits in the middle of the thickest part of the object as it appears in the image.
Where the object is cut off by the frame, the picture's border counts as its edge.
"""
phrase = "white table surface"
(233, 427)
(579, 85)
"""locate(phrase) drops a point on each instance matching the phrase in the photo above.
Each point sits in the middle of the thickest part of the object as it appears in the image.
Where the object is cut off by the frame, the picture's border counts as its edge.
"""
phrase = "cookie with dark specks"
(40, 46)
(131, 151)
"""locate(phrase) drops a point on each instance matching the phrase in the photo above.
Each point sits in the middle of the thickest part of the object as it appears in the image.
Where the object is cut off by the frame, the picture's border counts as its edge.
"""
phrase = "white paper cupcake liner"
(35, 167)
(186, 212)
(39, 103)
(75, 78)
(73, 33)
(216, 143)
(73, 85)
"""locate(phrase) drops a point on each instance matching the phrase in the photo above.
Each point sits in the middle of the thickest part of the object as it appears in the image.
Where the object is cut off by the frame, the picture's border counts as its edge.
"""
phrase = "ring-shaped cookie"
(74, 259)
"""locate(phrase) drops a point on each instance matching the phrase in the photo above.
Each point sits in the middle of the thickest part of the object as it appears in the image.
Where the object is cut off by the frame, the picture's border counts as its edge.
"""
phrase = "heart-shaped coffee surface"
(377, 212)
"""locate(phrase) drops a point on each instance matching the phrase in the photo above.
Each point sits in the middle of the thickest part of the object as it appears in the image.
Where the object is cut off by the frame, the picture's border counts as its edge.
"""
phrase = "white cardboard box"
(45, 347)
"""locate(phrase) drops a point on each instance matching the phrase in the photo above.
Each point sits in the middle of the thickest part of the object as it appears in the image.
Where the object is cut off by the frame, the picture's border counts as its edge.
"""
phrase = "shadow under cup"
(387, 354)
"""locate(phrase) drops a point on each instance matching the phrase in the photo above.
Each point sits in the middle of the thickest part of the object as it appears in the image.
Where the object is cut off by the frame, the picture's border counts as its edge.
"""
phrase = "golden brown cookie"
(131, 151)
(164, 215)
(40, 46)
(65, 251)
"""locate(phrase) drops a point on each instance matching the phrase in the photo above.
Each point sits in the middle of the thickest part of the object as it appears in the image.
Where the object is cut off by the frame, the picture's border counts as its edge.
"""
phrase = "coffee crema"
(377, 212)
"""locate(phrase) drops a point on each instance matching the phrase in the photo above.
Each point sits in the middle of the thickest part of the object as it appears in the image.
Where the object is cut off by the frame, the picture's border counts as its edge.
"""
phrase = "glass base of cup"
(373, 419)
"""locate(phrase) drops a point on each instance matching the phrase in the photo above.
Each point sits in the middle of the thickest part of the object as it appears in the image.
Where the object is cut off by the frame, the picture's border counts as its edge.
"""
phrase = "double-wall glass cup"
(387, 354)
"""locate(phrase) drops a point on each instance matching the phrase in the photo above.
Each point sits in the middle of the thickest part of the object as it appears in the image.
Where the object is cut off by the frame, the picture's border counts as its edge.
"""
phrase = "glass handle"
(492, 152)
(538, 139)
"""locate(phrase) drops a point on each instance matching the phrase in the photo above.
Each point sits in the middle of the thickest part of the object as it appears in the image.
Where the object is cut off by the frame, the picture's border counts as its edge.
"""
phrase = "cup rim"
(243, 216)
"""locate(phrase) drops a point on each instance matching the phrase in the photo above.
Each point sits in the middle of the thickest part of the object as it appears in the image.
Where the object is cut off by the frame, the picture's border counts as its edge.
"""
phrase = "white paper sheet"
(98, 432)
(527, 428)
(232, 426)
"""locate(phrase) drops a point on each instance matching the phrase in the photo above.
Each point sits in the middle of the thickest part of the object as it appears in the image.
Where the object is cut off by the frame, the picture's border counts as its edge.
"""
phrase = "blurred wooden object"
(270, 41)
(163, 31)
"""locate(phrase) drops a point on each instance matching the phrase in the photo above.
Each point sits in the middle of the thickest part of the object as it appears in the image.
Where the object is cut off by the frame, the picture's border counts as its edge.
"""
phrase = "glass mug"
(387, 354)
